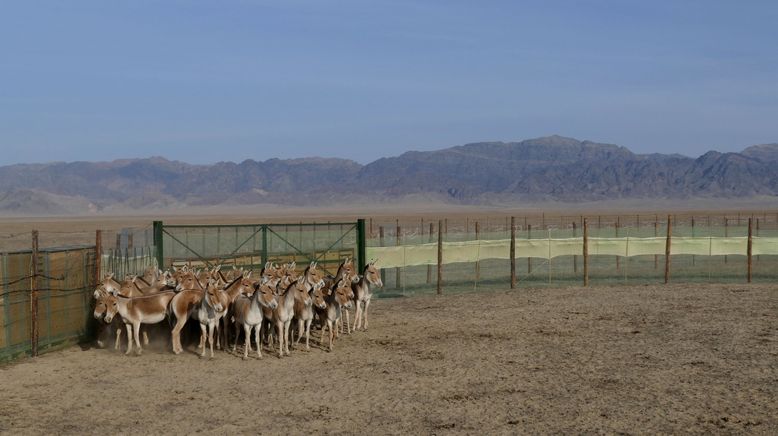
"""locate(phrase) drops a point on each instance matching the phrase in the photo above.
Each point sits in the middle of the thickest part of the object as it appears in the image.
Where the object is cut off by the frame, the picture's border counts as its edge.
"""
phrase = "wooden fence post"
(529, 259)
(34, 295)
(380, 243)
(726, 233)
(98, 256)
(656, 234)
(398, 280)
(618, 223)
(477, 263)
(585, 253)
(513, 252)
(575, 257)
(692, 237)
(667, 249)
(749, 249)
(440, 257)
(429, 267)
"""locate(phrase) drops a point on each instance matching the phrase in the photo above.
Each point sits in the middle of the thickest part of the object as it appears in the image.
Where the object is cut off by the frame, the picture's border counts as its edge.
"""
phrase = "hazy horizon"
(204, 82)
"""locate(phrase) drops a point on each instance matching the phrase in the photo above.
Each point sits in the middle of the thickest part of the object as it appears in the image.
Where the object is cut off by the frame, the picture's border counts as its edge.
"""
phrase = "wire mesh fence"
(703, 234)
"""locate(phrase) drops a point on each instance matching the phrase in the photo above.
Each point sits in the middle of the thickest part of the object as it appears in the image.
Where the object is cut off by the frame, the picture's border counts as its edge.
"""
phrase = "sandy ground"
(647, 359)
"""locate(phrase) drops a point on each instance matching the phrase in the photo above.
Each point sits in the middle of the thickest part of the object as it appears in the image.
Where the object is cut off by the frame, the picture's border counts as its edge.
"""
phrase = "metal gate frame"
(265, 229)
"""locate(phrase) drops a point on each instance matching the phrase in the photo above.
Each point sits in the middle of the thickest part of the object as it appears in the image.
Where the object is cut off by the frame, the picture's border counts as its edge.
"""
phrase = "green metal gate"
(251, 245)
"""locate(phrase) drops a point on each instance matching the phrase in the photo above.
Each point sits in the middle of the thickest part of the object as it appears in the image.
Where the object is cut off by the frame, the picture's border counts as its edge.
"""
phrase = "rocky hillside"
(549, 168)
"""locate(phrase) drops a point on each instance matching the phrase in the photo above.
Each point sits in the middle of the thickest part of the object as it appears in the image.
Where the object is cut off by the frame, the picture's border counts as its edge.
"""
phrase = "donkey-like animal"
(335, 300)
(134, 311)
(371, 277)
(247, 312)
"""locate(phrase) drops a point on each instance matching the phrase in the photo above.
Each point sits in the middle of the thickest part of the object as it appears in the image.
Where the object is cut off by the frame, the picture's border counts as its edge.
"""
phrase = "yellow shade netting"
(473, 251)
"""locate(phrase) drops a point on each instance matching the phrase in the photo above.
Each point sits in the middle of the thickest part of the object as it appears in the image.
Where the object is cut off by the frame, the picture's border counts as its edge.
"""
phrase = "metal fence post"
(513, 252)
(749, 249)
(34, 295)
(158, 244)
(264, 243)
(440, 257)
(361, 245)
(667, 248)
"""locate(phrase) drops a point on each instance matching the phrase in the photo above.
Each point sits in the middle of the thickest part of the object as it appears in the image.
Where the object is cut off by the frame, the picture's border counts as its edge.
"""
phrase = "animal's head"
(319, 296)
(187, 280)
(267, 295)
(348, 271)
(342, 291)
(301, 291)
(313, 275)
(110, 284)
(168, 279)
(111, 307)
(212, 294)
(373, 274)
(100, 295)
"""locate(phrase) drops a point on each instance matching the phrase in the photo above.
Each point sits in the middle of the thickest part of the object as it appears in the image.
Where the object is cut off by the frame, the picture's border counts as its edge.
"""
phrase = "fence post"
(513, 252)
(575, 257)
(361, 245)
(477, 263)
(158, 244)
(667, 248)
(749, 249)
(529, 259)
(618, 224)
(264, 243)
(585, 253)
(98, 256)
(381, 243)
(656, 234)
(34, 295)
(440, 257)
(429, 267)
(398, 280)
(726, 233)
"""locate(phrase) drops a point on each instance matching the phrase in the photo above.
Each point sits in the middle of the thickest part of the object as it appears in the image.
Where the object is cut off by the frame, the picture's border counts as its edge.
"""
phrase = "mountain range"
(552, 168)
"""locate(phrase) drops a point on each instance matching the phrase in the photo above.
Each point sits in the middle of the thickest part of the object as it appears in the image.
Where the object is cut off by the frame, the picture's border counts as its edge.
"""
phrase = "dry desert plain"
(632, 360)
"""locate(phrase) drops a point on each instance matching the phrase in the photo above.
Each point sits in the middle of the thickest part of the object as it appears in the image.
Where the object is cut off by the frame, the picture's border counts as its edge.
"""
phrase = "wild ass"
(303, 310)
(330, 312)
(282, 315)
(134, 311)
(371, 277)
(247, 311)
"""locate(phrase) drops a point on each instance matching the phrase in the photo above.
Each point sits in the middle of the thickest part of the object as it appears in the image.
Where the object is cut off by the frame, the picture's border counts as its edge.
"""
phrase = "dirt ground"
(643, 359)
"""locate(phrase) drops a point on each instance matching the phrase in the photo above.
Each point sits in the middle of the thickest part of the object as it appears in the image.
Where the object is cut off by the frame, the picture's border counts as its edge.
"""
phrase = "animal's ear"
(248, 276)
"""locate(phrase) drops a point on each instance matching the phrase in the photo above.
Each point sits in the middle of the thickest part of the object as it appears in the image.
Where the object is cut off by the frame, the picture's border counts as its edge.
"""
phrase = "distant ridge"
(553, 168)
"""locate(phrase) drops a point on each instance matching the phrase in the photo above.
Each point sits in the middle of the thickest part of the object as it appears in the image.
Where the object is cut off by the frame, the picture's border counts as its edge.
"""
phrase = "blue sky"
(203, 81)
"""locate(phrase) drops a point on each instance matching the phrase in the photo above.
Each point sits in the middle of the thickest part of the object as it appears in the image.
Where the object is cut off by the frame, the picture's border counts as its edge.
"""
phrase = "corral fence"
(425, 255)
(46, 298)
(252, 245)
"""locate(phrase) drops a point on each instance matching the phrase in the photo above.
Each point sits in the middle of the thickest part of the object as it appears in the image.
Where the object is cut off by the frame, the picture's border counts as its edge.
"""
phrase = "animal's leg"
(323, 329)
(357, 315)
(237, 336)
(218, 329)
(256, 338)
(286, 336)
(176, 335)
(332, 333)
(129, 338)
(300, 330)
(348, 322)
(367, 304)
(136, 330)
(308, 334)
(203, 334)
(280, 333)
(247, 333)
(211, 328)
(118, 337)
(145, 337)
